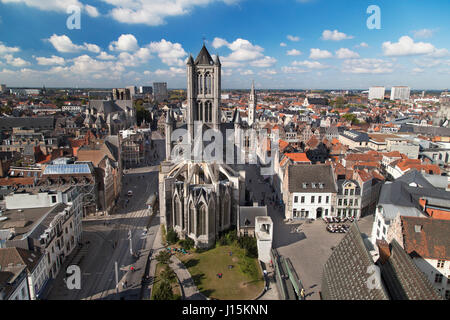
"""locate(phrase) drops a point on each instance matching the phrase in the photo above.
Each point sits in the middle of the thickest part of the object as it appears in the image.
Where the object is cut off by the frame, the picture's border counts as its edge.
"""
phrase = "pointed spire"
(169, 119)
(237, 117)
(217, 62)
(204, 58)
(190, 61)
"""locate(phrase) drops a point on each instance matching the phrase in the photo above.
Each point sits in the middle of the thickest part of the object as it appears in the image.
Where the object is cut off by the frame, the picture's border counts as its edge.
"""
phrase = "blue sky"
(301, 44)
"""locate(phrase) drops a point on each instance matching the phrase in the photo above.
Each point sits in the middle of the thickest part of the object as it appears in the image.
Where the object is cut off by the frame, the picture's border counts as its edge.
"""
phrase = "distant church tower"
(203, 91)
(252, 106)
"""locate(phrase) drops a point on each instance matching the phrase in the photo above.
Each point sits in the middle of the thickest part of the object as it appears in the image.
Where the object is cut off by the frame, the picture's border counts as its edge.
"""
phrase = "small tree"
(164, 291)
(187, 243)
(163, 257)
(172, 236)
(167, 274)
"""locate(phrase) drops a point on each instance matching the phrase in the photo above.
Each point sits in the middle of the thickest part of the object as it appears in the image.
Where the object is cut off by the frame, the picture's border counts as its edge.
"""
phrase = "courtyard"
(310, 248)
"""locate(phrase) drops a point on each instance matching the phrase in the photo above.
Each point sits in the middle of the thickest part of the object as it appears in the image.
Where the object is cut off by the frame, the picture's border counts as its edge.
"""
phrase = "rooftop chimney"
(385, 251)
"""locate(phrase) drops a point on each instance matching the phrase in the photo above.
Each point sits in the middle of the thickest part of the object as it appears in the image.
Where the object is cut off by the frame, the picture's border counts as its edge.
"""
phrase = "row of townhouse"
(43, 227)
(318, 191)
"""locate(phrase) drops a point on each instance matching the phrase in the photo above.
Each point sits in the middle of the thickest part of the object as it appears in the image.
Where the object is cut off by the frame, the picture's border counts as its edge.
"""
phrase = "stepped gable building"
(199, 198)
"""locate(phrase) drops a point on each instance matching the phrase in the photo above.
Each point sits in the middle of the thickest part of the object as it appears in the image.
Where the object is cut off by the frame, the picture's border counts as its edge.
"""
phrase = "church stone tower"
(252, 106)
(203, 91)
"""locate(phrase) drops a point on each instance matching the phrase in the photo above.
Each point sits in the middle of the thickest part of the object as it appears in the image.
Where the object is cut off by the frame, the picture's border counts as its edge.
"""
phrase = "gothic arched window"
(199, 83)
(226, 210)
(191, 218)
(178, 212)
(208, 83)
(201, 220)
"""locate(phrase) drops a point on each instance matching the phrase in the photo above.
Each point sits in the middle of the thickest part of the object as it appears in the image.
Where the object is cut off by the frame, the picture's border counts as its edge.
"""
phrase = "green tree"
(172, 236)
(164, 291)
(351, 117)
(163, 257)
(167, 274)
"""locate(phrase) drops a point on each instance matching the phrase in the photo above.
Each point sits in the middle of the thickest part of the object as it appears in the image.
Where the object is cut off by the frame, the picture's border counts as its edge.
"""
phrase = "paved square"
(309, 249)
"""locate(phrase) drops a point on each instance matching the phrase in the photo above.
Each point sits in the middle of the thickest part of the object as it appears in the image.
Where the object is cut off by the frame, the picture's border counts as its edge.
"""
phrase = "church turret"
(204, 90)
(252, 106)
(168, 134)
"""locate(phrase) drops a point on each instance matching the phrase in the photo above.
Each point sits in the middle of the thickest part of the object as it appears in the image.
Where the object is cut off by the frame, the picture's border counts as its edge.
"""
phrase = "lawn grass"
(243, 282)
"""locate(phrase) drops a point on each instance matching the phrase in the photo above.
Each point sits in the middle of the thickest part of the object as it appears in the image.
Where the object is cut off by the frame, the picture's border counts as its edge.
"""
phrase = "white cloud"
(424, 33)
(64, 44)
(105, 56)
(243, 51)
(246, 72)
(91, 11)
(293, 38)
(309, 64)
(418, 70)
(126, 42)
(431, 62)
(269, 72)
(367, 66)
(439, 53)
(265, 62)
(282, 44)
(92, 47)
(56, 5)
(363, 45)
(345, 53)
(53, 60)
(5, 49)
(294, 52)
(293, 70)
(407, 47)
(219, 42)
(320, 54)
(154, 12)
(170, 53)
(335, 35)
(172, 72)
(15, 62)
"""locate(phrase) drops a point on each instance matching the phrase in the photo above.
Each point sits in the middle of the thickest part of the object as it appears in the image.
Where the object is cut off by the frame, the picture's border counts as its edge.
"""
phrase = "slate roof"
(19, 256)
(358, 136)
(399, 197)
(247, 216)
(403, 279)
(104, 106)
(204, 58)
(433, 240)
(345, 274)
(298, 175)
(7, 123)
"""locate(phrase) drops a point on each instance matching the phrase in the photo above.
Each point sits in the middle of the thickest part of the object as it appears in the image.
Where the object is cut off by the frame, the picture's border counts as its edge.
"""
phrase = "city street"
(106, 241)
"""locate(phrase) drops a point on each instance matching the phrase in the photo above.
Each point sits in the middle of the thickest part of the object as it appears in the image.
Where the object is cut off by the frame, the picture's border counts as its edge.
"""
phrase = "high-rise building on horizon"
(160, 91)
(145, 90)
(3, 88)
(400, 93)
(376, 93)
